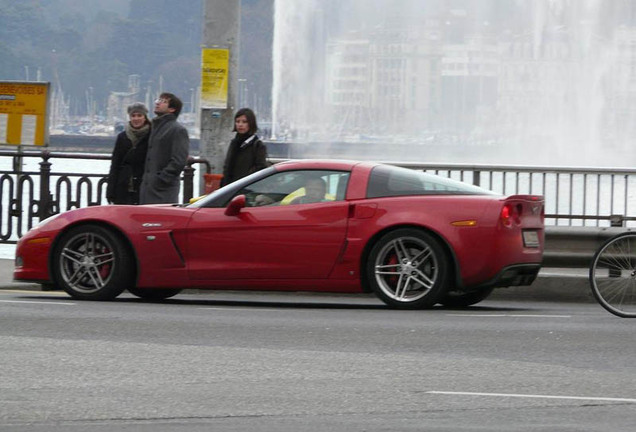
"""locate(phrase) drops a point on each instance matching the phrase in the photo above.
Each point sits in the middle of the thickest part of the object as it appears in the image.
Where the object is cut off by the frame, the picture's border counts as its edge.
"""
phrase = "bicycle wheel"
(613, 275)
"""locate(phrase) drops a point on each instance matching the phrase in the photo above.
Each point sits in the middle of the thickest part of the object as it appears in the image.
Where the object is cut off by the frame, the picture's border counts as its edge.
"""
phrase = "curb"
(546, 288)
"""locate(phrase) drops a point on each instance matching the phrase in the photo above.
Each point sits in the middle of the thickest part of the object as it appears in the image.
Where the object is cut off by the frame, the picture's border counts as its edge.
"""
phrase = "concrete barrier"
(574, 247)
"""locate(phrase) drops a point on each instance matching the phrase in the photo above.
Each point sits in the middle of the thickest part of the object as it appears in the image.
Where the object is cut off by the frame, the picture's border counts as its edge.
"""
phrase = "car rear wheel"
(460, 299)
(91, 262)
(407, 269)
(154, 294)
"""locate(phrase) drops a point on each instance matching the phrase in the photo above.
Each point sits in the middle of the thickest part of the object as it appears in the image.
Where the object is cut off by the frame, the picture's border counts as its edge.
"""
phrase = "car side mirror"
(235, 206)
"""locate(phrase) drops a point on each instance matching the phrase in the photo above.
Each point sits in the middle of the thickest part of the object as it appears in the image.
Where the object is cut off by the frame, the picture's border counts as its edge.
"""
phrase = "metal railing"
(28, 196)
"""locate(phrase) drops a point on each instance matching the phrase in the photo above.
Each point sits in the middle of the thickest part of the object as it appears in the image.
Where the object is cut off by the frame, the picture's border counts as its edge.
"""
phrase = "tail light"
(511, 213)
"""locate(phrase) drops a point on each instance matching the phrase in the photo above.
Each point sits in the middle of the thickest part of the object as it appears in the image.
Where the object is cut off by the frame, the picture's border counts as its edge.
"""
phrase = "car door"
(277, 240)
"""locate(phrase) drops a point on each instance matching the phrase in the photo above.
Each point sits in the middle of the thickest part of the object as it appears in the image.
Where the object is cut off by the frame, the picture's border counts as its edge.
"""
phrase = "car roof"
(322, 164)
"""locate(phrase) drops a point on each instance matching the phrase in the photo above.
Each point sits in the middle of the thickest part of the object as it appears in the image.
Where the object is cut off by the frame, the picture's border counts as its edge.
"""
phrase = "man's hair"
(251, 119)
(173, 102)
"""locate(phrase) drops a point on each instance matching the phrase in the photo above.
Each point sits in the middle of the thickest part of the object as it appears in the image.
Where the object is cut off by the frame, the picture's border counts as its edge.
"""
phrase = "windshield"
(220, 197)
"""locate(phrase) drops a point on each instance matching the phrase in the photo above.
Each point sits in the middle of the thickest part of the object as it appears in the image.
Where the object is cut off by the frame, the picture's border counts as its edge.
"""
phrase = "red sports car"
(412, 238)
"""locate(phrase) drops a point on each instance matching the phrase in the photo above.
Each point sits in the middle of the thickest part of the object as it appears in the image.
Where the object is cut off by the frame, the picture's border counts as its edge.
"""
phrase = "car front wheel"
(408, 269)
(91, 262)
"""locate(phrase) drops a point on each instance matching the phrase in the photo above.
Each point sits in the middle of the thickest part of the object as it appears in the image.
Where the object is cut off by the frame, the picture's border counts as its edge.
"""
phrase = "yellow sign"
(23, 112)
(214, 77)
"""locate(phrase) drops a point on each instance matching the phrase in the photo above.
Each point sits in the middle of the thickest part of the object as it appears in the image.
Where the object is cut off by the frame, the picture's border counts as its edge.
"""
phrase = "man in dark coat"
(168, 149)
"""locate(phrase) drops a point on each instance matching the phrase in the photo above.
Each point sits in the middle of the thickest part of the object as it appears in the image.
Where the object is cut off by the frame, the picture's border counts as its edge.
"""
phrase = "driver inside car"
(315, 191)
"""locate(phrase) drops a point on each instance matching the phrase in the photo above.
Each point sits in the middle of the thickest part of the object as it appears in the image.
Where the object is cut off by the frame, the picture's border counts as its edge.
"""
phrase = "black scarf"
(243, 140)
(136, 134)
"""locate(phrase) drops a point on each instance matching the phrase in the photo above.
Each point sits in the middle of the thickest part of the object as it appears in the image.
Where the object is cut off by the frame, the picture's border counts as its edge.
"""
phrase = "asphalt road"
(289, 362)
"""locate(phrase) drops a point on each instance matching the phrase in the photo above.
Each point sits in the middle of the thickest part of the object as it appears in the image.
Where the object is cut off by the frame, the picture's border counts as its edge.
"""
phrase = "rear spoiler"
(533, 198)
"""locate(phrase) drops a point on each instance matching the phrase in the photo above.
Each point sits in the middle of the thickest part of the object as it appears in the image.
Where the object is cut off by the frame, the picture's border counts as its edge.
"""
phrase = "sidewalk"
(554, 285)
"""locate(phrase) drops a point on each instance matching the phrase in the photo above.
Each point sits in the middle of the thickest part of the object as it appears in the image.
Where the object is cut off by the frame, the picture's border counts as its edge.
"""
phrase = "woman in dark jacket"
(129, 157)
(246, 153)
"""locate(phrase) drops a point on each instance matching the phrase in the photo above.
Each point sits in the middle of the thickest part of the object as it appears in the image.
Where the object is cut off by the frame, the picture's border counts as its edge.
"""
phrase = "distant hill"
(88, 48)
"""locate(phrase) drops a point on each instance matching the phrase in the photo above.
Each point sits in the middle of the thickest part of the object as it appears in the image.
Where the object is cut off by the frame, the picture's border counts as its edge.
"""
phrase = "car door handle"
(362, 211)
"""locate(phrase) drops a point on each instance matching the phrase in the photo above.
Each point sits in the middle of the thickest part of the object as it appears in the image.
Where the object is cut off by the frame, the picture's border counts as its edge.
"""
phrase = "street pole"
(220, 30)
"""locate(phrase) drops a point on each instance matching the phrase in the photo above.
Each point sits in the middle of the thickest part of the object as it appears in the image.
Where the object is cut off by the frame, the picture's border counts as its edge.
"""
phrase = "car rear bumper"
(515, 275)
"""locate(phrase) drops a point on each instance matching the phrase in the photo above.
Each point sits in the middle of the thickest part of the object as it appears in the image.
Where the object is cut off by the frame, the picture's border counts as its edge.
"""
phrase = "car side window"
(296, 187)
(389, 181)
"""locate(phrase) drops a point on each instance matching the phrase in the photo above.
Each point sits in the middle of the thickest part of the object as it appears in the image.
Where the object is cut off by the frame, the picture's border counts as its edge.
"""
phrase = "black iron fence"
(33, 188)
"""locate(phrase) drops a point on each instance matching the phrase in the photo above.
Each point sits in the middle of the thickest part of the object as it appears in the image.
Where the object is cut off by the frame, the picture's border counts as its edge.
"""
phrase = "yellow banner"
(23, 113)
(214, 77)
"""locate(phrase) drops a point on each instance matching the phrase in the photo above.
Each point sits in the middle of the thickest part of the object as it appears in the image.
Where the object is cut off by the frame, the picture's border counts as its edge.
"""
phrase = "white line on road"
(510, 315)
(232, 309)
(512, 395)
(38, 302)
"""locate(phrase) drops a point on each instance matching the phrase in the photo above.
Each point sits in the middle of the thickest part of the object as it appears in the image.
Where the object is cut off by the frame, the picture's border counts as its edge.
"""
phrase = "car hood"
(126, 218)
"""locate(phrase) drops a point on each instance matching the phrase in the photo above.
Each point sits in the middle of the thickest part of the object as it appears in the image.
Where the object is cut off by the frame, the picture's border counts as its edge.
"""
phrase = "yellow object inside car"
(285, 201)
(301, 192)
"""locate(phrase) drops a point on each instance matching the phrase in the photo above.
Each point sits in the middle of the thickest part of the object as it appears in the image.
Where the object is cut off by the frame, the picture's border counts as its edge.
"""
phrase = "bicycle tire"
(613, 275)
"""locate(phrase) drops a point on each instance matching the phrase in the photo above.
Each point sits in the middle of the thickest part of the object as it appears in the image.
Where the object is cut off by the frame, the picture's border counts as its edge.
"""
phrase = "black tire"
(154, 294)
(91, 262)
(460, 299)
(613, 275)
(47, 286)
(408, 269)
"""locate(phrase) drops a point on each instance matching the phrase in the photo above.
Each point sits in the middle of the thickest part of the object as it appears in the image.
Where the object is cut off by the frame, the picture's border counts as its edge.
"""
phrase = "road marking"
(38, 302)
(232, 309)
(478, 315)
(512, 395)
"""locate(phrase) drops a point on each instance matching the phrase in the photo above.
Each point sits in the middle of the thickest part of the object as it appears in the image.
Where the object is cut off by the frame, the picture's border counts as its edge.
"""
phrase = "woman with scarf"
(129, 157)
(246, 153)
